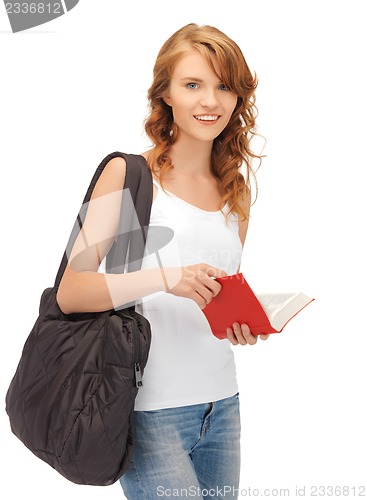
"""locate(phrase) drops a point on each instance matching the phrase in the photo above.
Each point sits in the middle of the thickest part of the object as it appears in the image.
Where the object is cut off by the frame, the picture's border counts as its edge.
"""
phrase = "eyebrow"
(192, 78)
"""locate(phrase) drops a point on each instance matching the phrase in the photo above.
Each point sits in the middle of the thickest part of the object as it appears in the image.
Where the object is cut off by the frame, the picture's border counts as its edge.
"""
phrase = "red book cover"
(236, 302)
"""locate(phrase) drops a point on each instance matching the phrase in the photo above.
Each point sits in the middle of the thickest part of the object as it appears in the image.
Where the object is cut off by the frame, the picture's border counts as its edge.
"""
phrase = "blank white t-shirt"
(187, 364)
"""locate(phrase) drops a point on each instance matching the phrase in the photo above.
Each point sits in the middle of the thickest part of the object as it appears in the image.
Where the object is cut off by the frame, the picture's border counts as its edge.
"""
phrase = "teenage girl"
(201, 120)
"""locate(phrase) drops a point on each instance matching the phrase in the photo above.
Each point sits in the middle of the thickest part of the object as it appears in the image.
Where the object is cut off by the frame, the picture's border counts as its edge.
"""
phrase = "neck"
(191, 157)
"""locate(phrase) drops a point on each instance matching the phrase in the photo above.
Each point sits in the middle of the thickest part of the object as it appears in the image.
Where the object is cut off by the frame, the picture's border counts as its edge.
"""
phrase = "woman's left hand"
(241, 334)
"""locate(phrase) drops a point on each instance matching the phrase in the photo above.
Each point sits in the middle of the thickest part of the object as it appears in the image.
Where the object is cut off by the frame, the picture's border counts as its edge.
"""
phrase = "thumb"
(215, 272)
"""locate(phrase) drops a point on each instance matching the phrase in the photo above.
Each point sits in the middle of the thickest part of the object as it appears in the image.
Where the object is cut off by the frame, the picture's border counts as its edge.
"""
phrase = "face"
(201, 104)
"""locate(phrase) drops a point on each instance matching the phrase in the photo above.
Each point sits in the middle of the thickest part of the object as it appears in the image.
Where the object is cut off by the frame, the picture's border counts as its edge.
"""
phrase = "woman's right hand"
(194, 282)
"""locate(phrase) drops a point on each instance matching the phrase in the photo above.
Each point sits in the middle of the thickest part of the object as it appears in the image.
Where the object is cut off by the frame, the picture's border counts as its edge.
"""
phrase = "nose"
(209, 99)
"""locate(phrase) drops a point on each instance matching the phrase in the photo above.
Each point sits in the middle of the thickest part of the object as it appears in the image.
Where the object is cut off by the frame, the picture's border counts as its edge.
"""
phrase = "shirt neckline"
(187, 203)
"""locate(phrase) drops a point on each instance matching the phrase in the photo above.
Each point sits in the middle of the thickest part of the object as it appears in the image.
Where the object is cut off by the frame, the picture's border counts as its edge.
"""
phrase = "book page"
(281, 307)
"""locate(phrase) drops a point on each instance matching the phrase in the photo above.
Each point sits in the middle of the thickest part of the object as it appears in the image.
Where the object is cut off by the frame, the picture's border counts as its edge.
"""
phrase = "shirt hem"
(180, 403)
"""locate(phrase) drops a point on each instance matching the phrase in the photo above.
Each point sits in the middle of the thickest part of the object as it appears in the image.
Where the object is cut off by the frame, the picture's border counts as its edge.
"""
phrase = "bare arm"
(84, 289)
(241, 334)
(243, 225)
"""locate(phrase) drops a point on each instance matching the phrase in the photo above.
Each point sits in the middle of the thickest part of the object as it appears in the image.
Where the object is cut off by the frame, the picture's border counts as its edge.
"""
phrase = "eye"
(192, 85)
(223, 87)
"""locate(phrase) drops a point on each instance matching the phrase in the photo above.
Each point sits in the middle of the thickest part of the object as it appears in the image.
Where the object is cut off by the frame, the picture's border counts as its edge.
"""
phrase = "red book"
(263, 313)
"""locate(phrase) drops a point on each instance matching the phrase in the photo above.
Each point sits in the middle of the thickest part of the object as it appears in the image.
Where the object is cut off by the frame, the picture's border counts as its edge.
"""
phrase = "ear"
(167, 100)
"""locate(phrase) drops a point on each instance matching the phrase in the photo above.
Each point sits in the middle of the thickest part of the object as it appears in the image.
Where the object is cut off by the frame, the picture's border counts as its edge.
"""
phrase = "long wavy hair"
(231, 149)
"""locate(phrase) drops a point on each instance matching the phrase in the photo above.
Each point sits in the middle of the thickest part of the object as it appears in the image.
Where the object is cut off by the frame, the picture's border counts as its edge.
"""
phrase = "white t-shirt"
(187, 364)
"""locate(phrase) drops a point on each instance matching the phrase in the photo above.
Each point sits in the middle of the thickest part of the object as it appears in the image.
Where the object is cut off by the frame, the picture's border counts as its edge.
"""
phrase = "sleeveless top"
(187, 364)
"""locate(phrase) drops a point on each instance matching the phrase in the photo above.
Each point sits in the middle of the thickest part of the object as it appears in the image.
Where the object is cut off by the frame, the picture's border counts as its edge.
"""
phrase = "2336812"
(34, 8)
(338, 491)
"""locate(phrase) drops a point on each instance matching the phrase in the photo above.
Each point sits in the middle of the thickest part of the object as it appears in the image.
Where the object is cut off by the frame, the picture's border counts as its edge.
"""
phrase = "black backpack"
(71, 400)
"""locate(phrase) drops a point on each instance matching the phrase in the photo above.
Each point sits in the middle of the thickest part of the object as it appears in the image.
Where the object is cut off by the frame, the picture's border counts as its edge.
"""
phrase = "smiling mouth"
(207, 118)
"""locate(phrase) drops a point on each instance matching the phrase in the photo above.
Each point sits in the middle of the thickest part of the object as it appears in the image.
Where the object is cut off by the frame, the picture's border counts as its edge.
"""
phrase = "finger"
(204, 292)
(215, 272)
(201, 302)
(207, 277)
(212, 285)
(264, 336)
(251, 339)
(231, 336)
(239, 334)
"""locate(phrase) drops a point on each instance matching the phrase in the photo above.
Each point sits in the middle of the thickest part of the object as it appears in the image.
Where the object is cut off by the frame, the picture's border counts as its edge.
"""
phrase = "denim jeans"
(187, 452)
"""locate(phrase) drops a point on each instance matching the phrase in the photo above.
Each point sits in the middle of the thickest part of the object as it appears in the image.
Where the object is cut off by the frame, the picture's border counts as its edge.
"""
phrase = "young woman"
(201, 120)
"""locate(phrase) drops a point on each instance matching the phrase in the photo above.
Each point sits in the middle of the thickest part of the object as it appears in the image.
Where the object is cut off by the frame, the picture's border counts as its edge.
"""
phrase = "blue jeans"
(188, 452)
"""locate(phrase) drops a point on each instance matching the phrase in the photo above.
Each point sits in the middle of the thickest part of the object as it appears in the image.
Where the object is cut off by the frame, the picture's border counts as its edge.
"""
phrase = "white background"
(73, 90)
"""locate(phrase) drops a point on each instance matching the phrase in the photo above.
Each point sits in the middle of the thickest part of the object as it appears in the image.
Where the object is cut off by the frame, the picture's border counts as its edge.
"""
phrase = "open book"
(263, 313)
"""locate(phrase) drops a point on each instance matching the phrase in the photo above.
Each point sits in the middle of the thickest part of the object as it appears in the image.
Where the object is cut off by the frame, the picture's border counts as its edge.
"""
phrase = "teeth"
(207, 117)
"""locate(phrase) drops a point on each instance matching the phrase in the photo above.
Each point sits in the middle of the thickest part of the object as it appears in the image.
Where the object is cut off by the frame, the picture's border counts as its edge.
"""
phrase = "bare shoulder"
(112, 178)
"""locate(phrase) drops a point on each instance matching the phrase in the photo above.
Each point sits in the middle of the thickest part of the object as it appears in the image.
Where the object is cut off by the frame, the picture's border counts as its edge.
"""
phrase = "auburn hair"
(231, 149)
